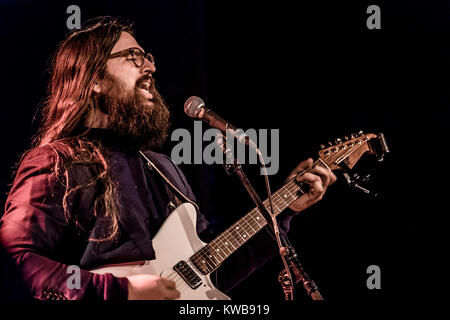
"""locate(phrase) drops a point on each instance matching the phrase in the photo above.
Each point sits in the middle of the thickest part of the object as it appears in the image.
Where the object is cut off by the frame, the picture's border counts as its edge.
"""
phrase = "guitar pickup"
(378, 146)
(188, 275)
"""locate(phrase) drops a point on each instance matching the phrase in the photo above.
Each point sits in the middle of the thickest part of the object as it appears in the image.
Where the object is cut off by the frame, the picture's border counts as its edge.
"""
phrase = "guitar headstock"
(345, 154)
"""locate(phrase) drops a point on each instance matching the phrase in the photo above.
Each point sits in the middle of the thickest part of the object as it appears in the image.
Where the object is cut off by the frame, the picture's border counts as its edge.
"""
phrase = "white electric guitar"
(182, 257)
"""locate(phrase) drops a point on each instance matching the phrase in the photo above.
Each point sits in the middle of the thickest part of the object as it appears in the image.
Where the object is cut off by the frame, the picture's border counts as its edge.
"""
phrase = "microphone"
(195, 107)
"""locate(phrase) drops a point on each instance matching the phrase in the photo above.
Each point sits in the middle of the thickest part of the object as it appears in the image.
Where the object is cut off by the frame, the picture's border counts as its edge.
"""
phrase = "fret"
(216, 251)
(222, 247)
(234, 240)
(290, 194)
(240, 230)
(235, 244)
(208, 253)
(251, 232)
(201, 261)
(322, 164)
(213, 254)
(283, 198)
(222, 242)
(259, 218)
(254, 223)
(280, 201)
(225, 243)
(237, 236)
(274, 205)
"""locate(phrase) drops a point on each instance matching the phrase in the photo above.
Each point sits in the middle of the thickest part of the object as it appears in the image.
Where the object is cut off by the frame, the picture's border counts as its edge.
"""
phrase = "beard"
(132, 115)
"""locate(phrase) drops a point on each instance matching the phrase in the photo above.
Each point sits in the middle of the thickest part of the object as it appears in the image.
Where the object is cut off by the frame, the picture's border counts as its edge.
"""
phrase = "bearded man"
(83, 194)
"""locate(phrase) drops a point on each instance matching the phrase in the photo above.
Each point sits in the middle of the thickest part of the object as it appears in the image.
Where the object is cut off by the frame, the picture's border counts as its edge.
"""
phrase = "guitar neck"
(213, 254)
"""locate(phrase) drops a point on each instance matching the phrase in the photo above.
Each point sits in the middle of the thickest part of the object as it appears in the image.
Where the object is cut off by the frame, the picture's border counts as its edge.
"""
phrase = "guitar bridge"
(188, 275)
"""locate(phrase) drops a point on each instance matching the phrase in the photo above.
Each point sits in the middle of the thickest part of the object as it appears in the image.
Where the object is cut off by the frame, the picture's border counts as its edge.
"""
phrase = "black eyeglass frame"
(132, 51)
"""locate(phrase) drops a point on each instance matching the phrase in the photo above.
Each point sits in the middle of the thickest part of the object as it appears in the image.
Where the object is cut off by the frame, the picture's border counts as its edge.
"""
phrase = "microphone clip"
(230, 165)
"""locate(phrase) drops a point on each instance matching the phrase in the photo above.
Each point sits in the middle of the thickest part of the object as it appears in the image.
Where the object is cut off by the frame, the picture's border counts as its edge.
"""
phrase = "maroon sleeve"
(31, 228)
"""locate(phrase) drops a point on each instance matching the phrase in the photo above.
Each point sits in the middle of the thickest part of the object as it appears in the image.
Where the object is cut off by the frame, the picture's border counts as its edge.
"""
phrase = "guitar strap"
(171, 189)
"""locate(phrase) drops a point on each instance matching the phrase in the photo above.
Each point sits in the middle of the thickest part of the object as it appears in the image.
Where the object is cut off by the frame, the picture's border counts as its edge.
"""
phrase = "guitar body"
(176, 241)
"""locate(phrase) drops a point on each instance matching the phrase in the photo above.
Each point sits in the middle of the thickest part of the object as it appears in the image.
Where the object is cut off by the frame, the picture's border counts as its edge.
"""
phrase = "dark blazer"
(43, 242)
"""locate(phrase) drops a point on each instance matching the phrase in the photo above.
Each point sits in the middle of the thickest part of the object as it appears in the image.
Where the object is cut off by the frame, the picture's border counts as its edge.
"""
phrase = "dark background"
(312, 70)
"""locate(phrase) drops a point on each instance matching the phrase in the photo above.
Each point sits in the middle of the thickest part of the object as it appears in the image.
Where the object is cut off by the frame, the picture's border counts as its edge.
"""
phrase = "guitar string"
(218, 243)
(192, 275)
(248, 219)
(291, 187)
(233, 232)
(290, 184)
(234, 236)
(183, 268)
(278, 200)
(179, 281)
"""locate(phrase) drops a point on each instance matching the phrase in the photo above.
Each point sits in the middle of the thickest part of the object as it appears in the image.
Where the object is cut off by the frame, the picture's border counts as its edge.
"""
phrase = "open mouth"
(145, 87)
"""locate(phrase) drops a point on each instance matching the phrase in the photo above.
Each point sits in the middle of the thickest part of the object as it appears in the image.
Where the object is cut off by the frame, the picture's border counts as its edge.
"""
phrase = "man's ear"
(97, 88)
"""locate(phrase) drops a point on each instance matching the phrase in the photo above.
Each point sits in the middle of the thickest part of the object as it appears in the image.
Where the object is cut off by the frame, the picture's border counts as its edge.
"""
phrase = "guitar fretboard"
(213, 254)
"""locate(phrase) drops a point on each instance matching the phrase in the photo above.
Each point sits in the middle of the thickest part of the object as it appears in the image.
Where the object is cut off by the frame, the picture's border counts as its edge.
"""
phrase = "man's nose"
(148, 67)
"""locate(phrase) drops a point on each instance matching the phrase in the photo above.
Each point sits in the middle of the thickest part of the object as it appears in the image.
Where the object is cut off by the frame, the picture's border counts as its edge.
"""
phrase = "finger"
(328, 177)
(333, 177)
(169, 284)
(172, 294)
(324, 175)
(316, 188)
(308, 177)
(302, 166)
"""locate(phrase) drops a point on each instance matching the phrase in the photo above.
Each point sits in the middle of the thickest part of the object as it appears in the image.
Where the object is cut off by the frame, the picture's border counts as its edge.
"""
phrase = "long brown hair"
(79, 62)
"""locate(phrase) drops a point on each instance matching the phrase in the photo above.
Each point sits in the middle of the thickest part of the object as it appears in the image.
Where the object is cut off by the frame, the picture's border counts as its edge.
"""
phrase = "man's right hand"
(150, 287)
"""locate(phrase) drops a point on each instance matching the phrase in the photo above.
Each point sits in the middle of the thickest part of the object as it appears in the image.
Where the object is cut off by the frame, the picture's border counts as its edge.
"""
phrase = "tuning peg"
(360, 133)
(345, 138)
(353, 135)
(322, 146)
(338, 141)
(329, 142)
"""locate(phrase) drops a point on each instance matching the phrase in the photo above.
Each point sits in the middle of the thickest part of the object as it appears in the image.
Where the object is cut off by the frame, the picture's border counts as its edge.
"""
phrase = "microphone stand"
(232, 166)
(300, 274)
(287, 253)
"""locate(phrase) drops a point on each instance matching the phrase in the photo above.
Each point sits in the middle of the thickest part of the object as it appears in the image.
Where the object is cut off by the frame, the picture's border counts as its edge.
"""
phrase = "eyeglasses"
(134, 54)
